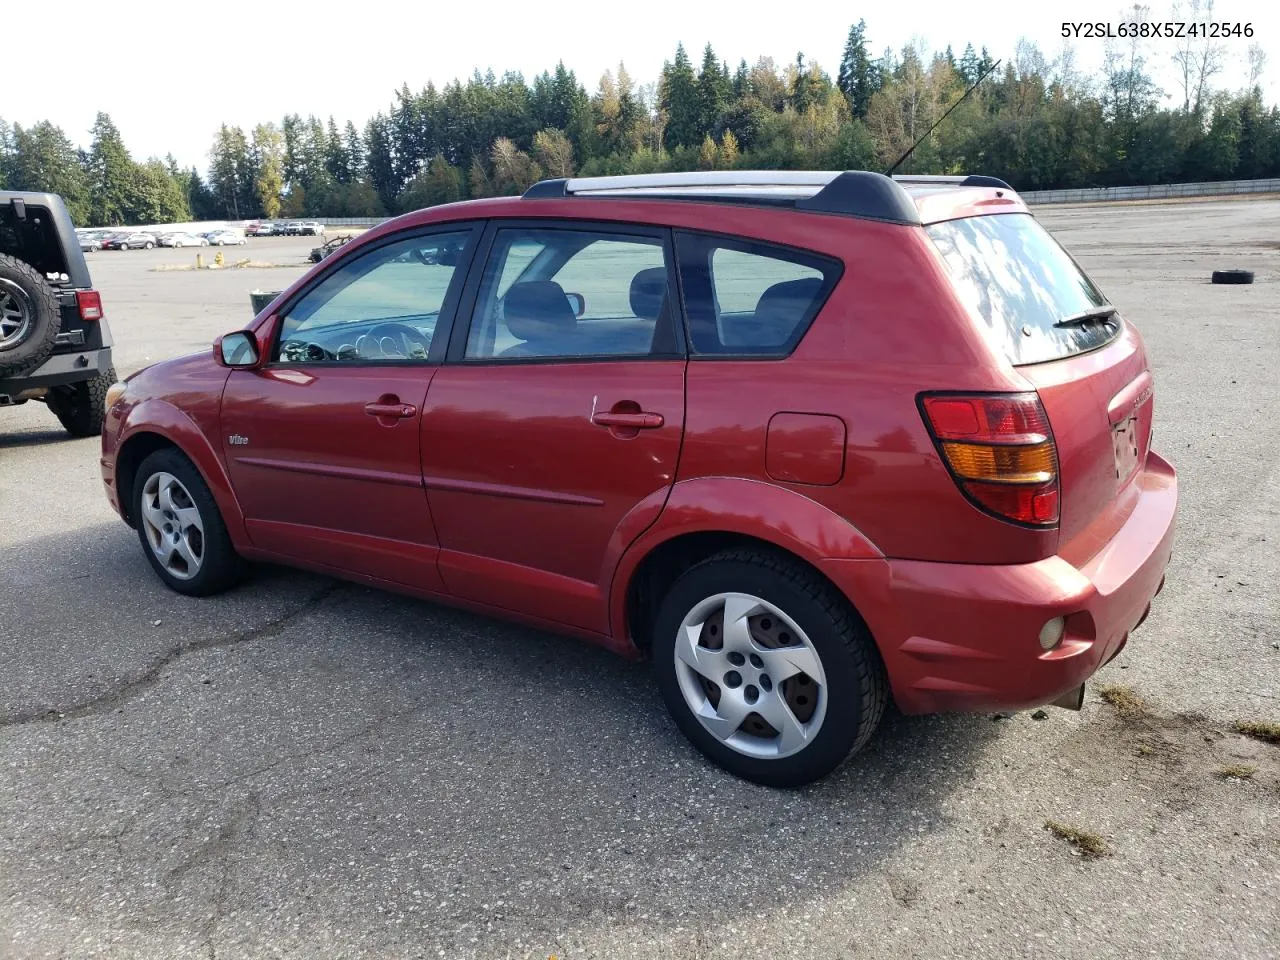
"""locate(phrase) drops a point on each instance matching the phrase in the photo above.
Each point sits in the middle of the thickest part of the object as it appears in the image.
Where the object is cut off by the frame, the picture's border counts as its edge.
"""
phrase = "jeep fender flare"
(162, 418)
(783, 517)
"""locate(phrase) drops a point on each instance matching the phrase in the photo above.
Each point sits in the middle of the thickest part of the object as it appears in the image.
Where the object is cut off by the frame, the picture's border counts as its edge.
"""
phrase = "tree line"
(1037, 122)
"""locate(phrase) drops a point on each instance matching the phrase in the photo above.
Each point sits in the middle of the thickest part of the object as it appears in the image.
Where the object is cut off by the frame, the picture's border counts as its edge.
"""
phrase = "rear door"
(323, 442)
(560, 411)
(1089, 367)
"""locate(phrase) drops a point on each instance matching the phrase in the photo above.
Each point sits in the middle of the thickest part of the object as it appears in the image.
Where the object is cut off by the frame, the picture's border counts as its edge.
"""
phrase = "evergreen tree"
(679, 101)
(714, 90)
(380, 161)
(268, 146)
(43, 159)
(110, 173)
(858, 78)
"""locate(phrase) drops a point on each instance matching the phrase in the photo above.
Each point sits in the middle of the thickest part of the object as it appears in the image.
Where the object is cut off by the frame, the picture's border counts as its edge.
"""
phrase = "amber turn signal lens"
(1033, 464)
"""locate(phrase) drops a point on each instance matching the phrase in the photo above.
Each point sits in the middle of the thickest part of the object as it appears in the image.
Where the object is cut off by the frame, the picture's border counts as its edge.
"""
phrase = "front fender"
(778, 515)
(160, 417)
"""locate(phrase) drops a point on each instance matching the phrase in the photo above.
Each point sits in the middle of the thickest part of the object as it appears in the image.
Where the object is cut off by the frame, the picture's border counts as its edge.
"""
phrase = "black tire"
(81, 407)
(148, 245)
(857, 688)
(1232, 276)
(220, 566)
(33, 315)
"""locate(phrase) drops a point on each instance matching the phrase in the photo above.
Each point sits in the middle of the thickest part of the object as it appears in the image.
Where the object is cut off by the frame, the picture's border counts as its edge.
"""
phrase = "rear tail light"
(90, 304)
(1000, 452)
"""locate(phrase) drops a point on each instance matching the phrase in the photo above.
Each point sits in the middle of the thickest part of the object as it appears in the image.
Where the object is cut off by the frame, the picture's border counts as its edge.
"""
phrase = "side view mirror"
(236, 350)
(578, 302)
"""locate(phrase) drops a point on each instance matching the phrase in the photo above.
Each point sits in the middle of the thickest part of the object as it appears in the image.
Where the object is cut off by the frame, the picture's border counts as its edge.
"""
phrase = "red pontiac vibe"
(808, 440)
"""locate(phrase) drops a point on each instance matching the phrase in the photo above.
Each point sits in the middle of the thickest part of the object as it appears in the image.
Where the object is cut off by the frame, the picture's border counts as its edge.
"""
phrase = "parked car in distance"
(260, 229)
(312, 228)
(112, 241)
(809, 441)
(225, 238)
(91, 239)
(136, 241)
(182, 239)
(293, 228)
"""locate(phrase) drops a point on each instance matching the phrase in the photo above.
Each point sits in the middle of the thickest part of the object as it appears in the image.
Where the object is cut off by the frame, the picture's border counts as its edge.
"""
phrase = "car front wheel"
(180, 527)
(766, 668)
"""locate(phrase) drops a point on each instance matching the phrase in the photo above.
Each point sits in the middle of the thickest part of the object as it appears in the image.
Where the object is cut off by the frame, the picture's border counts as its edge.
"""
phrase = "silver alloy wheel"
(16, 314)
(751, 676)
(173, 525)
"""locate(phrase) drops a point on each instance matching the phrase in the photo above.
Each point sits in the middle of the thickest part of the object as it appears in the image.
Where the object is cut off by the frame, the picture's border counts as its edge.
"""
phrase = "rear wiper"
(1087, 316)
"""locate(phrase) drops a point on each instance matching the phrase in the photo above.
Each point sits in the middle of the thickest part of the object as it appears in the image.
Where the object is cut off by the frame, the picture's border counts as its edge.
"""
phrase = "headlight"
(115, 392)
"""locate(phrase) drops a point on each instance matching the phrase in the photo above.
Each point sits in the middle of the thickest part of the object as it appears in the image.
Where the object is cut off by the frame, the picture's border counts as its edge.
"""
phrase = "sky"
(169, 73)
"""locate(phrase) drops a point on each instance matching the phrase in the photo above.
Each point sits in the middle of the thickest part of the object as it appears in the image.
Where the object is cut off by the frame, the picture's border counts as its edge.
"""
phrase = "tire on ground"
(221, 566)
(857, 686)
(23, 287)
(81, 407)
(1232, 276)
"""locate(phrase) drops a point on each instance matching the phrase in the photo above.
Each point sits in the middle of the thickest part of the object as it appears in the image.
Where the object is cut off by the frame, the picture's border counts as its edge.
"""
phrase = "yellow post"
(199, 261)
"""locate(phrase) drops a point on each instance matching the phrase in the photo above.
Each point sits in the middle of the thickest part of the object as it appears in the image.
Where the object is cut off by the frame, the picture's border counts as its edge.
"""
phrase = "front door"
(323, 442)
(561, 410)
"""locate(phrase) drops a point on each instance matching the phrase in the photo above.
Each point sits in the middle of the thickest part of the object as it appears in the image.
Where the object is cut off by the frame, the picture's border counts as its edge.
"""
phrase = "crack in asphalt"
(135, 686)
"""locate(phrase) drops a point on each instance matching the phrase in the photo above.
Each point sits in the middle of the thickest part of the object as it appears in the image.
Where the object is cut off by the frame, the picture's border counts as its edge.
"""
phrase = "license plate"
(1124, 440)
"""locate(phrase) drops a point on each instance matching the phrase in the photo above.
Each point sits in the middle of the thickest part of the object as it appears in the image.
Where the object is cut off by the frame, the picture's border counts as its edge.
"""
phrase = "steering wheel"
(401, 334)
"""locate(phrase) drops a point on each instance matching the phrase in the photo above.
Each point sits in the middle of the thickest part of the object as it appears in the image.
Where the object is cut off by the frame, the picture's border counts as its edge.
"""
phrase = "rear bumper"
(965, 637)
(60, 369)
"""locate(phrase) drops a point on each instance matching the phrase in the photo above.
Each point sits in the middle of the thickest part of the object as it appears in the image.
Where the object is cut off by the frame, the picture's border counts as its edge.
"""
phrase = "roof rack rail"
(858, 193)
(970, 180)
(853, 193)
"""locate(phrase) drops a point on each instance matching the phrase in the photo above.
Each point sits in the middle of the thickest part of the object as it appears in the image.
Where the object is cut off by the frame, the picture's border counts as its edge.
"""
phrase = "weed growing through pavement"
(1088, 843)
(1264, 730)
(1126, 702)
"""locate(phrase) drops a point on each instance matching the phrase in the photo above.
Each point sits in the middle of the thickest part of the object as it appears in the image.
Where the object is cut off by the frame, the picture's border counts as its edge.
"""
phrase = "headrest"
(649, 292)
(789, 299)
(537, 309)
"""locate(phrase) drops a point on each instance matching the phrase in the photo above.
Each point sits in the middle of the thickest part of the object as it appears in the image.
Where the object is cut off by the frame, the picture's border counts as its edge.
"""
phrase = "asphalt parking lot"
(306, 768)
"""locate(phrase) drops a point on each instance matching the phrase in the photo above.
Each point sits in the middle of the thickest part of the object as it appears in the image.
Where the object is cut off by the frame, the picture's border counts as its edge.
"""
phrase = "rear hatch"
(1089, 367)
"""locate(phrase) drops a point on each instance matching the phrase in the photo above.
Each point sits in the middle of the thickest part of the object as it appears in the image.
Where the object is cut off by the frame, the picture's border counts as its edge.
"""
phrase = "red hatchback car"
(808, 440)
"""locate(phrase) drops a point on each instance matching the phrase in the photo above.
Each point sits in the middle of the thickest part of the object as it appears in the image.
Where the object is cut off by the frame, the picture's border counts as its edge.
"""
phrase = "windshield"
(1019, 283)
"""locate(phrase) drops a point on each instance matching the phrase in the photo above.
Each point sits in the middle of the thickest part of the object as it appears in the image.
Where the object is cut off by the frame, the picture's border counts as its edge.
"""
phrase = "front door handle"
(390, 407)
(636, 421)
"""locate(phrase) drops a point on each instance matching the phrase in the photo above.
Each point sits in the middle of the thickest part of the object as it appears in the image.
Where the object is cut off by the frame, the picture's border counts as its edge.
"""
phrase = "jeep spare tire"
(29, 317)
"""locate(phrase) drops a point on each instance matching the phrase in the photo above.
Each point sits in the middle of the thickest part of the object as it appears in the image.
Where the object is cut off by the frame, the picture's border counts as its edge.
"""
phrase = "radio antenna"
(962, 99)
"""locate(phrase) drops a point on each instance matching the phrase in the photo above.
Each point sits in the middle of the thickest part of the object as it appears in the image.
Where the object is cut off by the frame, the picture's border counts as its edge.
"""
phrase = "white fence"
(1159, 191)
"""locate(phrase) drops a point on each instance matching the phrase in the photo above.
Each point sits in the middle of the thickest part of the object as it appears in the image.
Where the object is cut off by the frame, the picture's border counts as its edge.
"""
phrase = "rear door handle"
(399, 411)
(637, 421)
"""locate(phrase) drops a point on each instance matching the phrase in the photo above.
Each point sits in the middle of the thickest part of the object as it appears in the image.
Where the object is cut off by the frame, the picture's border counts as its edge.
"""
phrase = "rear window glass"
(744, 298)
(1016, 279)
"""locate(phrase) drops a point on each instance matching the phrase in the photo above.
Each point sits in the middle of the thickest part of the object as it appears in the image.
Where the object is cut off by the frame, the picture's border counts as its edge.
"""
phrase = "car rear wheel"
(766, 668)
(81, 407)
(149, 245)
(180, 527)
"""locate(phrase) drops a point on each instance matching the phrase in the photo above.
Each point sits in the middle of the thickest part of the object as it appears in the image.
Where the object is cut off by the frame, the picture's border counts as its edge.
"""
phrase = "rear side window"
(1019, 283)
(745, 298)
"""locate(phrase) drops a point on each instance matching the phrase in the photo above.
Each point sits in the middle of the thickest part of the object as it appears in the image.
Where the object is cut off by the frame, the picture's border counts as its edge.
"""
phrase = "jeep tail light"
(90, 304)
(1000, 452)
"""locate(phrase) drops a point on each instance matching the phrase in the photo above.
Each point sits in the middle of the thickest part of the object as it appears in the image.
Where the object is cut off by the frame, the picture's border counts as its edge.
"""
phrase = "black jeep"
(54, 341)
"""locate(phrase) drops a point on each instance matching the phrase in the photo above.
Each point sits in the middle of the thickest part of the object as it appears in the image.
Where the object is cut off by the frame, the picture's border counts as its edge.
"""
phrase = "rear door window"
(1020, 284)
(744, 298)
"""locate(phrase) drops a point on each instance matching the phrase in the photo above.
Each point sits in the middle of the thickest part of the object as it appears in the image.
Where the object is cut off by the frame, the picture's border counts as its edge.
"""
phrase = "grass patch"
(1264, 730)
(1237, 771)
(1126, 702)
(1088, 843)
